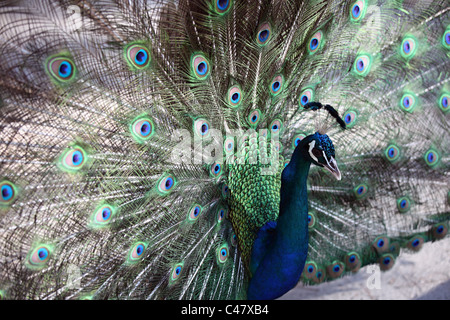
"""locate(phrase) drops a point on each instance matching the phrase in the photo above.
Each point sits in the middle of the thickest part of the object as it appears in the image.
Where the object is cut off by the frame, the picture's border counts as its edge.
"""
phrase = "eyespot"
(444, 102)
(222, 253)
(446, 39)
(362, 65)
(194, 212)
(353, 261)
(221, 214)
(142, 129)
(276, 126)
(39, 257)
(264, 34)
(316, 42)
(102, 216)
(138, 56)
(216, 169)
(408, 48)
(201, 127)
(408, 102)
(306, 96)
(228, 145)
(225, 190)
(335, 269)
(432, 158)
(222, 6)
(276, 86)
(392, 153)
(233, 240)
(8, 193)
(439, 231)
(357, 11)
(403, 204)
(254, 117)
(350, 118)
(137, 252)
(386, 261)
(73, 159)
(381, 244)
(311, 220)
(360, 191)
(166, 184)
(297, 138)
(61, 69)
(200, 66)
(310, 269)
(416, 243)
(176, 272)
(234, 96)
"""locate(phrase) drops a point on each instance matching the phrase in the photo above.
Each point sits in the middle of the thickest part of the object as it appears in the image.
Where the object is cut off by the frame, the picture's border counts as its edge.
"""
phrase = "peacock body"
(183, 149)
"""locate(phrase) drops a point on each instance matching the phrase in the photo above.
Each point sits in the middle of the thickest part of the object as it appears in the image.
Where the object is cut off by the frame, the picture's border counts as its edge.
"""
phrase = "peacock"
(217, 149)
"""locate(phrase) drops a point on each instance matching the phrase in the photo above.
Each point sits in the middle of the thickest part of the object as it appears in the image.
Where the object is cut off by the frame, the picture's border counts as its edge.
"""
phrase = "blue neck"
(279, 255)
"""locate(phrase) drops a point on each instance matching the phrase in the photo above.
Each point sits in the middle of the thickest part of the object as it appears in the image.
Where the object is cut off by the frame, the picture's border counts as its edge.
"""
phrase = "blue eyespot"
(431, 158)
(177, 270)
(141, 57)
(336, 268)
(352, 258)
(263, 35)
(360, 65)
(139, 249)
(407, 47)
(146, 128)
(222, 253)
(77, 158)
(235, 97)
(106, 213)
(356, 11)
(42, 254)
(65, 69)
(314, 44)
(440, 229)
(222, 4)
(380, 243)
(310, 269)
(306, 96)
(7, 192)
(276, 86)
(403, 203)
(387, 260)
(202, 68)
(166, 184)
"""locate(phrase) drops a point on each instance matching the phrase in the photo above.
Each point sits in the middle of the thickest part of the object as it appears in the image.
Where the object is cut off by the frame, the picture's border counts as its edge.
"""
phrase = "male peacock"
(163, 149)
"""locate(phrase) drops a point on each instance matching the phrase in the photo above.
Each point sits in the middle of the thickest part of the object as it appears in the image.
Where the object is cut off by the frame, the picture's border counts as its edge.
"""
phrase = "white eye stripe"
(311, 147)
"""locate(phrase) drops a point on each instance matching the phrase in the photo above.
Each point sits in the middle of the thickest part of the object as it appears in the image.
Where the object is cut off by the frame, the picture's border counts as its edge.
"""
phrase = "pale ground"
(419, 276)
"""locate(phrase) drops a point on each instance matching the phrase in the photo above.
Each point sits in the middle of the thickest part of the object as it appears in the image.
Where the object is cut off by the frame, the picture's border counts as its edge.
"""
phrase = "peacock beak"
(331, 166)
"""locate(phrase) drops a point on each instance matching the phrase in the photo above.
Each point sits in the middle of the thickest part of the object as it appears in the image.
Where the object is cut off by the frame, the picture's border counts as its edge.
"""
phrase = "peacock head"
(319, 149)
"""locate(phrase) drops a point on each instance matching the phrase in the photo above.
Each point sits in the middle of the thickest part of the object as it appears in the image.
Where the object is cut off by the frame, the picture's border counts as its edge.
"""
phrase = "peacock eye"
(234, 240)
(222, 253)
(234, 96)
(229, 145)
(306, 96)
(310, 270)
(39, 257)
(386, 261)
(264, 34)
(357, 10)
(73, 159)
(61, 69)
(142, 129)
(392, 153)
(316, 42)
(276, 126)
(297, 138)
(221, 213)
(222, 6)
(360, 190)
(415, 243)
(254, 117)
(403, 204)
(216, 169)
(431, 158)
(439, 231)
(104, 214)
(166, 184)
(408, 48)
(138, 56)
(276, 85)
(350, 118)
(381, 244)
(137, 252)
(8, 193)
(446, 39)
(200, 66)
(201, 127)
(335, 269)
(195, 212)
(408, 102)
(444, 102)
(311, 220)
(362, 65)
(176, 271)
